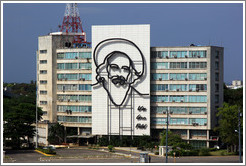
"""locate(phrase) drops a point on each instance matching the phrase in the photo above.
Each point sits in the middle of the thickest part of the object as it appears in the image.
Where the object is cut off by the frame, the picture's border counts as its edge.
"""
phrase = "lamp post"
(36, 145)
(167, 139)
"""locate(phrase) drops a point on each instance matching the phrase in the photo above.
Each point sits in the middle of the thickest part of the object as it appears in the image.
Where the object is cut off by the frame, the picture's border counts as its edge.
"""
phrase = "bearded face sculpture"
(117, 72)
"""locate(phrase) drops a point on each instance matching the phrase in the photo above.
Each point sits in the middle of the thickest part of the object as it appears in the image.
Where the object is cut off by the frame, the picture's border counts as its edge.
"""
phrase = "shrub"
(47, 151)
(204, 152)
(191, 153)
(111, 148)
(156, 153)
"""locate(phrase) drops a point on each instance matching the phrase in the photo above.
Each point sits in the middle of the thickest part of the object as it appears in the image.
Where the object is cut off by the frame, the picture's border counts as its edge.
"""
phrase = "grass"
(221, 153)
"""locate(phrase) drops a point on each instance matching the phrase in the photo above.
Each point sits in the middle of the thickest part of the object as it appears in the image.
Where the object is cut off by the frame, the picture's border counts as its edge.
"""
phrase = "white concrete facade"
(107, 118)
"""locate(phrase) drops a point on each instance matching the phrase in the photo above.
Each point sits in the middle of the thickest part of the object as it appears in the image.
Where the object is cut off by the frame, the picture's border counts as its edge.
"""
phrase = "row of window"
(74, 98)
(178, 65)
(178, 76)
(179, 110)
(74, 55)
(179, 121)
(73, 108)
(74, 87)
(77, 76)
(178, 54)
(73, 66)
(178, 87)
(78, 119)
(154, 76)
(178, 98)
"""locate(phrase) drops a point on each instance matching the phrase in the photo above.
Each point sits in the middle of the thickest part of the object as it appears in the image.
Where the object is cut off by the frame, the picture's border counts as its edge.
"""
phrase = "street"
(85, 155)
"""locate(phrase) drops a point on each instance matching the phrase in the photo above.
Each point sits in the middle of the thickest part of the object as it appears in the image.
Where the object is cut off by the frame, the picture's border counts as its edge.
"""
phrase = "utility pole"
(167, 139)
(239, 134)
(36, 104)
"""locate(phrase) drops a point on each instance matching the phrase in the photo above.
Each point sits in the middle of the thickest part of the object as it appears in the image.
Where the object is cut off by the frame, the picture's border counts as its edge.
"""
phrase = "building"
(185, 83)
(236, 84)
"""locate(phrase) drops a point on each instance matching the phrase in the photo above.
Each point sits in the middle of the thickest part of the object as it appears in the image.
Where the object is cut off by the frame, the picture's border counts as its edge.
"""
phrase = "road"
(84, 155)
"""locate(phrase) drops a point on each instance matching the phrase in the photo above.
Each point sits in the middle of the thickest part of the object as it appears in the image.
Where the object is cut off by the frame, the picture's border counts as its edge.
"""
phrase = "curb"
(43, 153)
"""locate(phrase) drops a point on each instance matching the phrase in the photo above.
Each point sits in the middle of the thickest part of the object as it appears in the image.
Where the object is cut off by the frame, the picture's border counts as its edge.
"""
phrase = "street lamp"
(167, 139)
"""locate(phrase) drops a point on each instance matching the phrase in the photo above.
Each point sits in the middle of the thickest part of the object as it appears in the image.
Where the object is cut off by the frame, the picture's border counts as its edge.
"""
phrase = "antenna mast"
(72, 24)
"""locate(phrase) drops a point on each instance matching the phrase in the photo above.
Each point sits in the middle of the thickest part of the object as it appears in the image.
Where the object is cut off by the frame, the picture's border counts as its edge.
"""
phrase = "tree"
(228, 123)
(174, 140)
(18, 119)
(56, 134)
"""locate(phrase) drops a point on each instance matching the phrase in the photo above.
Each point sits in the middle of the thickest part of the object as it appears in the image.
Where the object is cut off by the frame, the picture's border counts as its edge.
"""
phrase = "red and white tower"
(72, 23)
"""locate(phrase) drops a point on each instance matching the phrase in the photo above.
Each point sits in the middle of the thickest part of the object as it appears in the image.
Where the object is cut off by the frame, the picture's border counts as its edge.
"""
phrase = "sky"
(179, 24)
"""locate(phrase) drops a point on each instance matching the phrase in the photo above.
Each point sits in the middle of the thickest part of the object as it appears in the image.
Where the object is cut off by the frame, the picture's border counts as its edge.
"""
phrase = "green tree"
(18, 118)
(174, 140)
(228, 123)
(56, 134)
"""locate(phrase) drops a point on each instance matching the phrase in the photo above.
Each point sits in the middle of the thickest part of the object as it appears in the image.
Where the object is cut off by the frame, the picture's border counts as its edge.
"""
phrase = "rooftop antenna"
(72, 24)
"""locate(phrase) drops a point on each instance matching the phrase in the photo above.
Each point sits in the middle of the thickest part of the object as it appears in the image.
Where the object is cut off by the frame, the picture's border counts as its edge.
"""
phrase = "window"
(43, 51)
(85, 66)
(178, 65)
(199, 121)
(43, 82)
(178, 76)
(76, 119)
(159, 76)
(43, 92)
(60, 56)
(197, 65)
(217, 88)
(198, 54)
(67, 76)
(43, 102)
(159, 65)
(217, 53)
(161, 98)
(85, 55)
(158, 120)
(198, 76)
(74, 98)
(216, 98)
(177, 87)
(64, 108)
(85, 87)
(198, 133)
(178, 98)
(217, 77)
(85, 77)
(159, 87)
(43, 71)
(178, 121)
(159, 110)
(198, 99)
(198, 87)
(178, 54)
(67, 66)
(216, 65)
(178, 110)
(44, 113)
(159, 54)
(197, 110)
(43, 61)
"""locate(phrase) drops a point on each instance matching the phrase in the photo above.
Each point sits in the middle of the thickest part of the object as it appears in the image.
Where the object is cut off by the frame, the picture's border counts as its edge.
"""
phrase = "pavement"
(121, 155)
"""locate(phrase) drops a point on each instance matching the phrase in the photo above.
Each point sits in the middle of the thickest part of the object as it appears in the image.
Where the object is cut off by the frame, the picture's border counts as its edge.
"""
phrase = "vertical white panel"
(134, 42)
